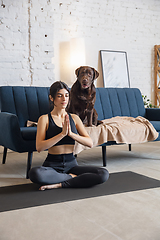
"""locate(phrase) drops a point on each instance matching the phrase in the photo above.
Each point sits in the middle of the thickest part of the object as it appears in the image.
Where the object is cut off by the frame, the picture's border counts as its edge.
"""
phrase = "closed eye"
(60, 95)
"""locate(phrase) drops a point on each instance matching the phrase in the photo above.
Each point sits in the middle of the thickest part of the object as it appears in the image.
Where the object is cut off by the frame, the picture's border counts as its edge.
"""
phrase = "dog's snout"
(84, 80)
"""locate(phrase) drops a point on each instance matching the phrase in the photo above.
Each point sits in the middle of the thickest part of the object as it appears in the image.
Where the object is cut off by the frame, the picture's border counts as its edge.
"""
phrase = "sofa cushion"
(25, 102)
(156, 125)
(29, 133)
(98, 106)
(112, 102)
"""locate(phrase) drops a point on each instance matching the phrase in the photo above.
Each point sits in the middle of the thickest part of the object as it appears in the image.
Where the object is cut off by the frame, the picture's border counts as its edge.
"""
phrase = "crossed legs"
(77, 177)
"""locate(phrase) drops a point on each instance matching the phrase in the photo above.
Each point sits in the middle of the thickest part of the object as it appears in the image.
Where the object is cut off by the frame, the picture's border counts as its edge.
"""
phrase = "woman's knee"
(104, 174)
(35, 174)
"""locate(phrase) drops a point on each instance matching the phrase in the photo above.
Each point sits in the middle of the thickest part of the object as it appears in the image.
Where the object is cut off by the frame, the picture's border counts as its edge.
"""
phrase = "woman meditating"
(57, 132)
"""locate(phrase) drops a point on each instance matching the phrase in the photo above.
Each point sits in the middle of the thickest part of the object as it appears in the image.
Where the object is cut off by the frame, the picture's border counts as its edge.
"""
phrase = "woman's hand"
(82, 137)
(66, 126)
(69, 126)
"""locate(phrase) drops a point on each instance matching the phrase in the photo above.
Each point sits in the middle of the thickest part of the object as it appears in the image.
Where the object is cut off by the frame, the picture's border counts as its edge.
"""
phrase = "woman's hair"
(55, 87)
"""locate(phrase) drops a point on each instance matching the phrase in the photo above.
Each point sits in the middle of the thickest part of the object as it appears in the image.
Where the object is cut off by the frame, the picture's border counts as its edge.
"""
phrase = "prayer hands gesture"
(66, 126)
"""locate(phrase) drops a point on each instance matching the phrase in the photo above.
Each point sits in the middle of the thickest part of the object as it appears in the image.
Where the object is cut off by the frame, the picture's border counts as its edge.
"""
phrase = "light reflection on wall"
(77, 55)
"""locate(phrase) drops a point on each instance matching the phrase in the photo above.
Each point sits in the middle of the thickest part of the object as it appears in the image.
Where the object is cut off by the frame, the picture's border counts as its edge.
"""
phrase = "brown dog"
(83, 95)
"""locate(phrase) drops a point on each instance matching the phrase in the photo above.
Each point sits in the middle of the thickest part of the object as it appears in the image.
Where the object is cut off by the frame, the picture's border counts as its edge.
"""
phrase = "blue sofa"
(19, 104)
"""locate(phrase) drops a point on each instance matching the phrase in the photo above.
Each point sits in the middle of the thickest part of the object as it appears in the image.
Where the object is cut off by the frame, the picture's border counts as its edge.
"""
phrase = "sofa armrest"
(153, 114)
(10, 135)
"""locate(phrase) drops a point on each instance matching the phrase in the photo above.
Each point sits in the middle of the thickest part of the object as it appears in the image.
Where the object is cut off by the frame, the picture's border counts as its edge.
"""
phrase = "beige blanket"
(122, 130)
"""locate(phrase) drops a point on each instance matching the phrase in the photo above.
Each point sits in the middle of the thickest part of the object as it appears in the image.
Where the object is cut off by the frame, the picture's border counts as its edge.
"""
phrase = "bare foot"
(72, 175)
(51, 186)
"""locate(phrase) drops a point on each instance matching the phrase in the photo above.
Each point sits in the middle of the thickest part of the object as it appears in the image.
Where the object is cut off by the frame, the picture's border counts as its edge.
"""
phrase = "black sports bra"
(53, 130)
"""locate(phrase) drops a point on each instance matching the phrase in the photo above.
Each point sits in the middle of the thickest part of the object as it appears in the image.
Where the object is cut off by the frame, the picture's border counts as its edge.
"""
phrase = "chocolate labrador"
(83, 95)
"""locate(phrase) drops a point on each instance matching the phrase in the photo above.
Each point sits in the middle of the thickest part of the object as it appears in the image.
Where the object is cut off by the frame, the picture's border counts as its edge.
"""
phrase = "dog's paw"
(99, 122)
(88, 125)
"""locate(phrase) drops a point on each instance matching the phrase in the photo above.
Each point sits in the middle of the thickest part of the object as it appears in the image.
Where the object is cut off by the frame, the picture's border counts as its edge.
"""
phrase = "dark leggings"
(56, 169)
(87, 176)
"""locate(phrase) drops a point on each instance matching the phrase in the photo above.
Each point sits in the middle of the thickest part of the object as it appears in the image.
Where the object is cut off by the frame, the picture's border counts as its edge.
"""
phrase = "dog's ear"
(96, 74)
(77, 71)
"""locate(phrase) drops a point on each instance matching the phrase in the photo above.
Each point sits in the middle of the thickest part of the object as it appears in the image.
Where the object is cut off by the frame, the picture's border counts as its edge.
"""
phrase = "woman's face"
(62, 98)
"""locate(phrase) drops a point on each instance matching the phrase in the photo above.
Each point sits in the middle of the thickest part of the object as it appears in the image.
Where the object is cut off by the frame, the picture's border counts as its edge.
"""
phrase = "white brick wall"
(26, 43)
(130, 26)
(126, 25)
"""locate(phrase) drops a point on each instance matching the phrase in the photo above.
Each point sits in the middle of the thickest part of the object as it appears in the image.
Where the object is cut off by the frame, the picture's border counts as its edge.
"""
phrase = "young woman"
(57, 132)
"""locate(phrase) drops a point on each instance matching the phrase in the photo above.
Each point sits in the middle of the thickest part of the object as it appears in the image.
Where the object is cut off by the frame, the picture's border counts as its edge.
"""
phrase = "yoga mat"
(28, 195)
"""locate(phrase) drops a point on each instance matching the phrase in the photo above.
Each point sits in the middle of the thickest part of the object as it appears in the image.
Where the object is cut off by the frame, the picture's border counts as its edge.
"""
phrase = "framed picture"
(115, 69)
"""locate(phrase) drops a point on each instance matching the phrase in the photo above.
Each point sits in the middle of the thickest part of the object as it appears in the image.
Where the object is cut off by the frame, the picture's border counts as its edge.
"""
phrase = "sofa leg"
(104, 156)
(4, 155)
(29, 163)
(129, 145)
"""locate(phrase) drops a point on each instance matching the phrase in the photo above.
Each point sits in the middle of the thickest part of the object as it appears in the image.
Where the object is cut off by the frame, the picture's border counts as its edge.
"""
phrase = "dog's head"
(86, 76)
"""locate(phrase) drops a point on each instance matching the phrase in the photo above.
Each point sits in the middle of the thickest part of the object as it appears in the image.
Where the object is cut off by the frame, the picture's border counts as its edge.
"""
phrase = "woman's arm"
(41, 143)
(83, 136)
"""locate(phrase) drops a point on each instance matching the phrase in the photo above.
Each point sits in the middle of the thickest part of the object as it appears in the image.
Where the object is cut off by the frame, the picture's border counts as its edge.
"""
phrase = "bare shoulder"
(75, 117)
(78, 121)
(42, 123)
(79, 125)
(43, 118)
